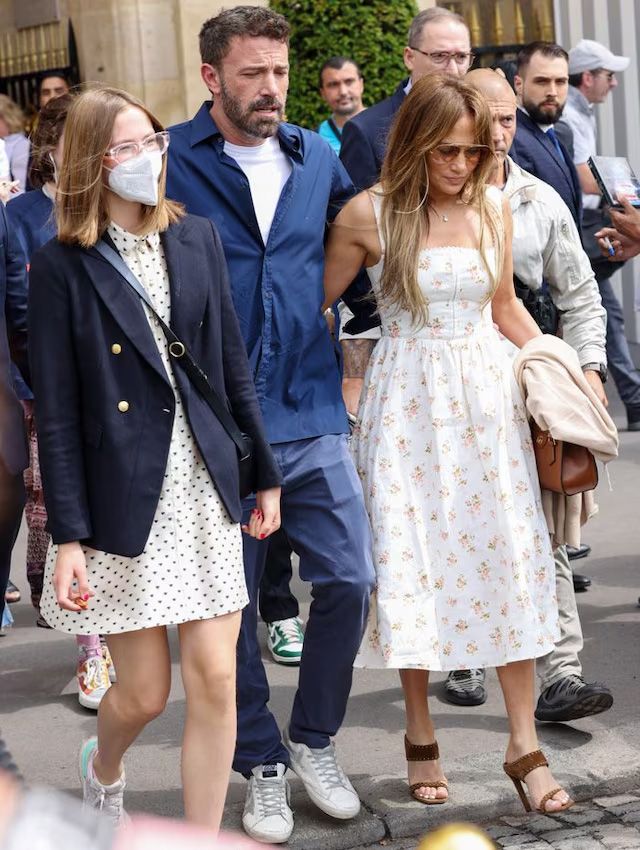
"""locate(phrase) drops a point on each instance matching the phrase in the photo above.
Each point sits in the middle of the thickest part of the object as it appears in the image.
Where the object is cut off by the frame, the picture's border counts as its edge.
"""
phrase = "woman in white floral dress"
(465, 573)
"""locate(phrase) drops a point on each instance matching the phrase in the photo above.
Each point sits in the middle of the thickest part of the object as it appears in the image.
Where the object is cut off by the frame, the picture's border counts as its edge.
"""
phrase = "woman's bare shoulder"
(358, 212)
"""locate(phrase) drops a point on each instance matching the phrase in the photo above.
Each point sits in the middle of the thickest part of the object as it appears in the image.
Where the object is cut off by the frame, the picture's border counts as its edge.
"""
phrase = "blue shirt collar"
(203, 127)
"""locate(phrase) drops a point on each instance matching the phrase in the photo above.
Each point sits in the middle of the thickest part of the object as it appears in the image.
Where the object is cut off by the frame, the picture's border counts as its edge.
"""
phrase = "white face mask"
(137, 178)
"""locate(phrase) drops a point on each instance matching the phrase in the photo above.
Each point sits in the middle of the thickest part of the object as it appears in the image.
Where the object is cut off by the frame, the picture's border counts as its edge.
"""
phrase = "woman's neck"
(126, 214)
(442, 199)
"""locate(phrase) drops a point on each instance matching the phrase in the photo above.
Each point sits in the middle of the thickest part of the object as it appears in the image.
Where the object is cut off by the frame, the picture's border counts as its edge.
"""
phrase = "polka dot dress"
(191, 567)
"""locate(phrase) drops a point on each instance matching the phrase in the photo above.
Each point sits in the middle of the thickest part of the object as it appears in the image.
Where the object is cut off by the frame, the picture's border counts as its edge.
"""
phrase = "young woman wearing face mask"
(33, 219)
(140, 477)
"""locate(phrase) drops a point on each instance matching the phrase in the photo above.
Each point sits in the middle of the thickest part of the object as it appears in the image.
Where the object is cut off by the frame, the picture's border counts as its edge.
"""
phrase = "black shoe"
(581, 583)
(576, 552)
(465, 687)
(571, 698)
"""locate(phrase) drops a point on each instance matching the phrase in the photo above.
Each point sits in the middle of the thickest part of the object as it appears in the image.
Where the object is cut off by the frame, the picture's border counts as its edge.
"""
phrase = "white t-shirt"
(267, 169)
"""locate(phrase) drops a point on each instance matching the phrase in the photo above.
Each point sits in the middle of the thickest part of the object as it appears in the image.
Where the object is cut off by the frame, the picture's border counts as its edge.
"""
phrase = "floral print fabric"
(465, 571)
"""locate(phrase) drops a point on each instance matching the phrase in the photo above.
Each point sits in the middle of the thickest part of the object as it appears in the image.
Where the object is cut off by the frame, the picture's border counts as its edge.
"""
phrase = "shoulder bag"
(563, 467)
(182, 356)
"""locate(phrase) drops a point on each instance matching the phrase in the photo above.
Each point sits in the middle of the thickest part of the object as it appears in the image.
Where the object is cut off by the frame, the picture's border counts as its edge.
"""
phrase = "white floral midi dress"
(191, 567)
(465, 571)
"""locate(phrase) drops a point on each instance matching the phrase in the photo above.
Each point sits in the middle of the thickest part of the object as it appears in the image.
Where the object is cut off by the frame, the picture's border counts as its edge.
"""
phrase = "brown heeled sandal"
(425, 752)
(518, 769)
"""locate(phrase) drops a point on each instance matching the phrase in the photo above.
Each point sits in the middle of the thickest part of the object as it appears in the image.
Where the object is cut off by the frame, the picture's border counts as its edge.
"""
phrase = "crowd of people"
(247, 339)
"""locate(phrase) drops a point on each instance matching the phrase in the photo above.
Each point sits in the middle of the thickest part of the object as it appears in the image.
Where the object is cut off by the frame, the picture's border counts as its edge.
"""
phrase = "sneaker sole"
(89, 702)
(583, 707)
(83, 758)
(267, 839)
(287, 662)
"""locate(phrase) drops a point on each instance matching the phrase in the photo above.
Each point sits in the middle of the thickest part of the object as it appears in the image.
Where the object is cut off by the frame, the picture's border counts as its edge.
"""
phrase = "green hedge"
(373, 32)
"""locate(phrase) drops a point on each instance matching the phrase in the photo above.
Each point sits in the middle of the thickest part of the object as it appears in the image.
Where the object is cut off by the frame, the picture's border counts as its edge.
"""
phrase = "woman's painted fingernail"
(262, 536)
(86, 597)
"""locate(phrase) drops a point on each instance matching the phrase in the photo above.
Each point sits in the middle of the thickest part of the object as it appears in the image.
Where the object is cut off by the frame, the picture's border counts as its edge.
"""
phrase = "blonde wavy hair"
(12, 114)
(427, 116)
(81, 208)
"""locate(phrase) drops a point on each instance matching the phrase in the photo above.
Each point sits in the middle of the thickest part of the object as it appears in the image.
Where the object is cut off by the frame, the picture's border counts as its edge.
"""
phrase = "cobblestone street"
(606, 823)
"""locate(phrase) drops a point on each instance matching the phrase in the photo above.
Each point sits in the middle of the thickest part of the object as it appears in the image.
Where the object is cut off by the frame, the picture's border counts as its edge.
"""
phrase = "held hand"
(623, 248)
(71, 565)
(265, 517)
(627, 220)
(595, 382)
(351, 392)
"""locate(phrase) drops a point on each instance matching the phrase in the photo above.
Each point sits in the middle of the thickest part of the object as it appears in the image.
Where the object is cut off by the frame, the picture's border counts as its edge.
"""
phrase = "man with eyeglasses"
(592, 76)
(439, 41)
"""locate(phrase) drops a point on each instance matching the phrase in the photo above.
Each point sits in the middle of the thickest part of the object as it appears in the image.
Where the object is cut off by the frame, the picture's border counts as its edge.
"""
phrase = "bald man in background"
(547, 247)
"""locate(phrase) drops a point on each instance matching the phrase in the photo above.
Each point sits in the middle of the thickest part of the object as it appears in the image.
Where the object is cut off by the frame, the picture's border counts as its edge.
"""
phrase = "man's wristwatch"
(600, 368)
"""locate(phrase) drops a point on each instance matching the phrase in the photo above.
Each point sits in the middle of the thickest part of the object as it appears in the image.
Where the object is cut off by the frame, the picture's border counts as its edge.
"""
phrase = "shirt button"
(116, 348)
(123, 406)
(166, 410)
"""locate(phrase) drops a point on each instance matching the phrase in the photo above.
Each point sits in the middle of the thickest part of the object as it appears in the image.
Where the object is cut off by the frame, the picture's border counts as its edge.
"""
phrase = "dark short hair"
(547, 48)
(575, 80)
(337, 62)
(430, 16)
(54, 72)
(241, 21)
(45, 137)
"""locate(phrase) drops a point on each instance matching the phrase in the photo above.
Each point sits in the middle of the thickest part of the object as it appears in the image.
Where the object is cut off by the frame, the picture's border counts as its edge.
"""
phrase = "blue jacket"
(277, 288)
(536, 153)
(103, 468)
(364, 139)
(13, 346)
(32, 217)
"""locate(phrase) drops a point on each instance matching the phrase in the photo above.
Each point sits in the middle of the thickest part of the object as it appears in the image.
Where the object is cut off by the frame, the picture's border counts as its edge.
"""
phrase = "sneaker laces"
(95, 673)
(569, 686)
(327, 768)
(271, 796)
(471, 676)
(290, 629)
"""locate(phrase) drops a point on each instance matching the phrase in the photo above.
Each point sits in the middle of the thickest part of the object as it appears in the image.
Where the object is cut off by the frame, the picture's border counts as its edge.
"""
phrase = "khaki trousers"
(564, 660)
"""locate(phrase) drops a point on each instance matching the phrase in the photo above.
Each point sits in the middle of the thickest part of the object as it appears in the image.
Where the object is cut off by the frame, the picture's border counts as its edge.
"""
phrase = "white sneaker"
(93, 680)
(107, 799)
(267, 816)
(324, 780)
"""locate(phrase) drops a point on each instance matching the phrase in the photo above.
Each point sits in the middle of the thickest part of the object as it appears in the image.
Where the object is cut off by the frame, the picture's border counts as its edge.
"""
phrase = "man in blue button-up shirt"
(271, 188)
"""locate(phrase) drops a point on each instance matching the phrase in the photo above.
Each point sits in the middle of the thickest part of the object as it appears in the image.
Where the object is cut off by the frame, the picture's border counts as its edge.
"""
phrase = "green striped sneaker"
(285, 639)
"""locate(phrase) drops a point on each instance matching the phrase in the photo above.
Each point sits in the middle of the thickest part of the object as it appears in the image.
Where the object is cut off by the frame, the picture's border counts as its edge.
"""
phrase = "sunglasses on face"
(449, 153)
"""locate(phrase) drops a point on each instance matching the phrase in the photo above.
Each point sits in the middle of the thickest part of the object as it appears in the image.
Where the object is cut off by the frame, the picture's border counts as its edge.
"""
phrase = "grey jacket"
(546, 244)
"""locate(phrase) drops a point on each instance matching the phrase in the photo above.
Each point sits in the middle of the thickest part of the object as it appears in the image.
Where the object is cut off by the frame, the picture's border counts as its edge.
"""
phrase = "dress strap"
(376, 201)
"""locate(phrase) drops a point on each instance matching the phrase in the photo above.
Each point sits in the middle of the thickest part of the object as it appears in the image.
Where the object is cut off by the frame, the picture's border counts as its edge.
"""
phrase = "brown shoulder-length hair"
(81, 208)
(428, 115)
(45, 138)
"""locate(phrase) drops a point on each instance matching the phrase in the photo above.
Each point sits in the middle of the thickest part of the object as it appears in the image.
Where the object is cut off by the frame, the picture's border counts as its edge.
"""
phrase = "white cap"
(588, 55)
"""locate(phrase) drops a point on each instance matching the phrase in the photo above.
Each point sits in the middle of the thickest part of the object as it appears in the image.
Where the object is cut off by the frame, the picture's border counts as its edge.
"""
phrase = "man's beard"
(248, 120)
(346, 109)
(540, 116)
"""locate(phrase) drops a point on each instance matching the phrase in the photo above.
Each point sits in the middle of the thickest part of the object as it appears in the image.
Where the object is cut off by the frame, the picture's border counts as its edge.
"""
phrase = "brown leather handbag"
(563, 467)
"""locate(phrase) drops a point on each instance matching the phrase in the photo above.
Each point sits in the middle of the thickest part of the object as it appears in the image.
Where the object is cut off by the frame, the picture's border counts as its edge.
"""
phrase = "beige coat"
(560, 400)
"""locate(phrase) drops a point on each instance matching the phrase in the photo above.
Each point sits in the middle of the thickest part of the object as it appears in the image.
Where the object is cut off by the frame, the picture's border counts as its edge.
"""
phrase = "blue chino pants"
(324, 516)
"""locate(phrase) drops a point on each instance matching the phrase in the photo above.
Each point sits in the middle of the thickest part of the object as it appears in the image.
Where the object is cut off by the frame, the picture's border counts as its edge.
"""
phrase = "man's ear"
(408, 57)
(518, 83)
(211, 78)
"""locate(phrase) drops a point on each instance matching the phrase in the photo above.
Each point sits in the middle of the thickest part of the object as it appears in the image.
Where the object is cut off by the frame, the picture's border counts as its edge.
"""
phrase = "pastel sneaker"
(107, 799)
(93, 680)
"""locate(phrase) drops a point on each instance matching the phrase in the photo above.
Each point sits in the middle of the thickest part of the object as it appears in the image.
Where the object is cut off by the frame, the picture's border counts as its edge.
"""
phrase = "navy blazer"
(534, 151)
(364, 139)
(92, 348)
(13, 346)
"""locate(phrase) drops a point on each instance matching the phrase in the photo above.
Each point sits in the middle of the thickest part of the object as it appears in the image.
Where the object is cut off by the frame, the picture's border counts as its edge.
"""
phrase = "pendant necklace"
(444, 218)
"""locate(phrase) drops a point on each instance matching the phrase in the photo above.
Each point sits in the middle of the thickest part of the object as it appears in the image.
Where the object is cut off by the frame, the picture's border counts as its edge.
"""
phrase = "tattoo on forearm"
(356, 354)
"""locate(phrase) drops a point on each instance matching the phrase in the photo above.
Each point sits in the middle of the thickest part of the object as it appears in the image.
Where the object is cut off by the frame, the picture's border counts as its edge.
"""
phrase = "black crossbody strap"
(179, 351)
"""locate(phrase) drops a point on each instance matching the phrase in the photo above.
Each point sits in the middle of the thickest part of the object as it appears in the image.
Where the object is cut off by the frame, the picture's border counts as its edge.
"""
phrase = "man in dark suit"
(542, 85)
(438, 42)
(13, 346)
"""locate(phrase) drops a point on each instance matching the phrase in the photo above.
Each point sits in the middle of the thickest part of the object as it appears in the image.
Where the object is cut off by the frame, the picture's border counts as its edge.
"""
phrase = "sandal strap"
(548, 796)
(421, 752)
(437, 783)
(519, 768)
